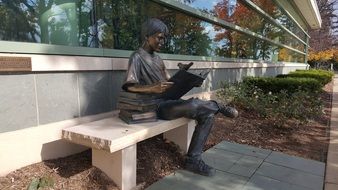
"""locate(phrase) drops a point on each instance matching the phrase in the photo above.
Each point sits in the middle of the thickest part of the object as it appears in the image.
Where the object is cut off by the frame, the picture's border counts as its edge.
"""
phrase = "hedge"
(289, 84)
(322, 76)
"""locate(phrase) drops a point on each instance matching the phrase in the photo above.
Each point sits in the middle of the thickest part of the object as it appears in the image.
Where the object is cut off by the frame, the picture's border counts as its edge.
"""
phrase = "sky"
(204, 4)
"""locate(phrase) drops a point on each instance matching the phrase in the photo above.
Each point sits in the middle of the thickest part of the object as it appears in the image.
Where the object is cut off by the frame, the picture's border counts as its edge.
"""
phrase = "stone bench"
(113, 143)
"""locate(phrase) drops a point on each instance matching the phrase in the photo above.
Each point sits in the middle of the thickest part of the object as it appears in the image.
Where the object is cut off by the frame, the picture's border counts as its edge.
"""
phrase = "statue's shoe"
(227, 111)
(199, 167)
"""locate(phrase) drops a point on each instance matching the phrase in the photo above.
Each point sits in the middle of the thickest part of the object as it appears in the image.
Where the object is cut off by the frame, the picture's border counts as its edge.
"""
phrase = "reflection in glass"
(52, 22)
(88, 23)
(286, 55)
(262, 26)
(239, 14)
(123, 19)
(117, 25)
(191, 36)
(275, 12)
(241, 46)
(187, 35)
(231, 7)
(15, 24)
(223, 9)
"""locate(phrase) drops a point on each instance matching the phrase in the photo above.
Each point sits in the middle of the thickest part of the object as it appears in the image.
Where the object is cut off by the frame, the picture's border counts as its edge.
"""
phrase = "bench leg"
(181, 135)
(120, 166)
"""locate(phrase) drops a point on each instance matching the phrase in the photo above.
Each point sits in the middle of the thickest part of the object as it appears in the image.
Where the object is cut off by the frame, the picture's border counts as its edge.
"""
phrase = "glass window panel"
(275, 12)
(187, 35)
(88, 23)
(17, 22)
(241, 46)
(237, 13)
(122, 23)
(117, 25)
(286, 39)
(286, 55)
(45, 21)
(228, 10)
(191, 36)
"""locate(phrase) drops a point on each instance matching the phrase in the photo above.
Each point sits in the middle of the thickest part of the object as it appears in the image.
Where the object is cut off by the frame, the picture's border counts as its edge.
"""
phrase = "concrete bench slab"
(113, 143)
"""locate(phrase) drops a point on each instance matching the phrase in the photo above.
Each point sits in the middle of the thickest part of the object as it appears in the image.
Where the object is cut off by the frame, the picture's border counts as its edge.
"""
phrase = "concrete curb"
(331, 175)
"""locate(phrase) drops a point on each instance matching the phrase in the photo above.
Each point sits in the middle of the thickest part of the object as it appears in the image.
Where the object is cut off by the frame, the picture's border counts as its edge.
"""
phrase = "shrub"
(322, 76)
(279, 106)
(288, 84)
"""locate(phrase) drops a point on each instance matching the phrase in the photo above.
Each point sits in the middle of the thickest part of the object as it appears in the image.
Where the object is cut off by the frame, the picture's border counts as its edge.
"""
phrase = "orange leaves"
(283, 55)
(326, 55)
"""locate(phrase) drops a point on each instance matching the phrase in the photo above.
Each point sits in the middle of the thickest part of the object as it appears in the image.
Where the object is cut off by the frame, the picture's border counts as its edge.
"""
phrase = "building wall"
(35, 107)
(73, 81)
(43, 98)
(32, 99)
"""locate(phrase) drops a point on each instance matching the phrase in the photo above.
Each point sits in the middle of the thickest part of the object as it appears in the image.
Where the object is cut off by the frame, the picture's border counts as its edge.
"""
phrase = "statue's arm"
(156, 88)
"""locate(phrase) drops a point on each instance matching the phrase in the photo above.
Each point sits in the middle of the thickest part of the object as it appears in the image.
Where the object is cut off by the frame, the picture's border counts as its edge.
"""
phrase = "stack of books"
(137, 107)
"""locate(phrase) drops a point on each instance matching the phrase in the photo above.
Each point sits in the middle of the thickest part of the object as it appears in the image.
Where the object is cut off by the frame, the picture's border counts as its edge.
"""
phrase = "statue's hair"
(153, 26)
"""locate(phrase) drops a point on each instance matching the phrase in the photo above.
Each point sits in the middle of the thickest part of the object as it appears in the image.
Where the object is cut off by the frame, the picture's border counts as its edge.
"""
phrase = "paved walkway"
(242, 167)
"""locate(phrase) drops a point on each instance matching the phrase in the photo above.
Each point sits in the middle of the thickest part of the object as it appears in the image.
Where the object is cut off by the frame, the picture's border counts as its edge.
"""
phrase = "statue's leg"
(203, 112)
(194, 160)
(200, 136)
(199, 110)
(192, 108)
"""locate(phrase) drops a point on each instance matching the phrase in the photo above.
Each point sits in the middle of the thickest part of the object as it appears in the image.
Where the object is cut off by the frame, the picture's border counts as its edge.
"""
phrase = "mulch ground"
(158, 158)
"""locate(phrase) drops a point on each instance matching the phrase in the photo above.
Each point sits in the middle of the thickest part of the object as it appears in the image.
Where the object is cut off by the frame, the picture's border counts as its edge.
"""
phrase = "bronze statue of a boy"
(147, 74)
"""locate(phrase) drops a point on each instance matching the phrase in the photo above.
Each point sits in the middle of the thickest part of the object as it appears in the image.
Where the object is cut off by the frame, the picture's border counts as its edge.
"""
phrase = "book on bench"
(138, 96)
(132, 117)
(139, 102)
(137, 107)
(130, 121)
(136, 115)
(133, 107)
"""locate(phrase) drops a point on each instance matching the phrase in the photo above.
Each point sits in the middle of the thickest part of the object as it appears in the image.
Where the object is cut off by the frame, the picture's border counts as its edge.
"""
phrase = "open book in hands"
(184, 81)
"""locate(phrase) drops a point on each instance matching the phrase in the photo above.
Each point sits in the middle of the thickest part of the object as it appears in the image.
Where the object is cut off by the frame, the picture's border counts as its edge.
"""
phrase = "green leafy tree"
(44, 21)
(18, 22)
(187, 35)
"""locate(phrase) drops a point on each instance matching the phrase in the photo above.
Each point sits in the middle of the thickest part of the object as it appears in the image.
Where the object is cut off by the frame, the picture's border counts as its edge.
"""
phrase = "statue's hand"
(182, 66)
(160, 87)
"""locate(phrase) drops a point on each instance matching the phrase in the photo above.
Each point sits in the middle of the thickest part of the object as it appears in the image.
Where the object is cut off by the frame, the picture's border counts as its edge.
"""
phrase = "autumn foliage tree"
(324, 59)
(237, 43)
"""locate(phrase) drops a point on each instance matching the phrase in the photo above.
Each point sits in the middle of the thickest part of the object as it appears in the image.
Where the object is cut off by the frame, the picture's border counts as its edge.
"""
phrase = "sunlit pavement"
(242, 167)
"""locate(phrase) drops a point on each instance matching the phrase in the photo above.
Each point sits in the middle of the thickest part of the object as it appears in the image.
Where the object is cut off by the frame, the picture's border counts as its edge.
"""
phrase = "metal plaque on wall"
(8, 63)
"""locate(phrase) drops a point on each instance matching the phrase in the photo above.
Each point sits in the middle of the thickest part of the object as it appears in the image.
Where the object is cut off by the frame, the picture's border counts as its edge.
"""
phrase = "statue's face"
(156, 41)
